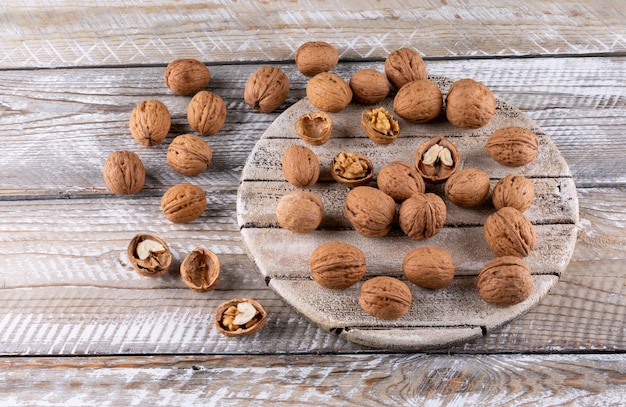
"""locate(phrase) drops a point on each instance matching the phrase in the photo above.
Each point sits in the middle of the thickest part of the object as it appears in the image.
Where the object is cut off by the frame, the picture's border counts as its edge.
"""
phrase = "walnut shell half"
(351, 169)
(314, 128)
(505, 281)
(228, 312)
(149, 255)
(200, 270)
(380, 125)
(436, 159)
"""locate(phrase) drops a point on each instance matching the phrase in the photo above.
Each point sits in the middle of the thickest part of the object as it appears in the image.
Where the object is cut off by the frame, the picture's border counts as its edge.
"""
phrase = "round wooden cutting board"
(437, 318)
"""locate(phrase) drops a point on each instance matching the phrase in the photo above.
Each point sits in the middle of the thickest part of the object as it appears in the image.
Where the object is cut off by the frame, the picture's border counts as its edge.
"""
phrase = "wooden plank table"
(79, 327)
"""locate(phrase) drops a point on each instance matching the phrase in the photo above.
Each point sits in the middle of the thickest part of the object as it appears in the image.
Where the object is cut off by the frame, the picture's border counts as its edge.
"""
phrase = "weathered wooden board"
(282, 256)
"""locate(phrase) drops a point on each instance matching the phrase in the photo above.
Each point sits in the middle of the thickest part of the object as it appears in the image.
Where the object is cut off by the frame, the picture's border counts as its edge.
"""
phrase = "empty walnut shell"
(513, 146)
(229, 329)
(418, 101)
(370, 211)
(300, 211)
(369, 86)
(422, 215)
(183, 203)
(351, 169)
(429, 267)
(300, 166)
(438, 170)
(314, 128)
(385, 297)
(467, 187)
(403, 66)
(200, 270)
(266, 89)
(513, 190)
(328, 92)
(399, 180)
(469, 104)
(189, 154)
(150, 122)
(509, 233)
(124, 173)
(337, 265)
(206, 113)
(149, 255)
(186, 76)
(505, 281)
(380, 125)
(314, 57)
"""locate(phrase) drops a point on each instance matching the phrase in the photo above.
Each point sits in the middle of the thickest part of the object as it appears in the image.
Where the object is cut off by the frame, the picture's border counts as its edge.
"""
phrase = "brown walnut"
(436, 159)
(505, 281)
(124, 173)
(266, 89)
(149, 255)
(399, 180)
(186, 76)
(380, 125)
(239, 317)
(314, 57)
(200, 270)
(385, 297)
(469, 104)
(189, 154)
(206, 113)
(183, 203)
(422, 215)
(351, 169)
(337, 265)
(150, 122)
(300, 211)
(369, 86)
(370, 211)
(468, 187)
(404, 65)
(328, 92)
(513, 190)
(314, 128)
(300, 166)
(429, 267)
(509, 233)
(513, 146)
(418, 101)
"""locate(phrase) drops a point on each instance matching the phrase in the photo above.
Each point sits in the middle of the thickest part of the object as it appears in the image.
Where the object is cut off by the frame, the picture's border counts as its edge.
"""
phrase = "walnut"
(314, 57)
(468, 187)
(399, 180)
(418, 101)
(385, 297)
(300, 166)
(370, 211)
(509, 233)
(403, 66)
(337, 265)
(266, 89)
(422, 215)
(124, 173)
(186, 76)
(436, 159)
(351, 169)
(513, 146)
(300, 211)
(505, 281)
(429, 267)
(200, 270)
(189, 154)
(149, 255)
(240, 316)
(150, 122)
(328, 92)
(206, 113)
(183, 203)
(314, 128)
(513, 190)
(469, 104)
(380, 125)
(369, 86)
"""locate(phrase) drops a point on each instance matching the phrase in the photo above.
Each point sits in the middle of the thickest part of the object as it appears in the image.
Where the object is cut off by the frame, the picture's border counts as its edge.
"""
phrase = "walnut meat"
(380, 125)
(300, 166)
(513, 146)
(328, 92)
(369, 86)
(436, 159)
(422, 215)
(124, 173)
(186, 76)
(351, 169)
(150, 122)
(385, 297)
(189, 154)
(183, 203)
(399, 180)
(314, 128)
(513, 190)
(314, 57)
(468, 187)
(300, 211)
(266, 89)
(469, 104)
(149, 255)
(403, 66)
(337, 265)
(509, 233)
(505, 281)
(206, 113)
(418, 101)
(370, 211)
(239, 317)
(429, 267)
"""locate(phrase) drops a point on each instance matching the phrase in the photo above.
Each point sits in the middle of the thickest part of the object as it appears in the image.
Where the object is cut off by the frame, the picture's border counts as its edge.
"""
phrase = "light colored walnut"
(300, 211)
(513, 190)
(150, 122)
(314, 57)
(399, 180)
(418, 101)
(183, 203)
(266, 89)
(189, 154)
(124, 173)
(422, 215)
(513, 146)
(509, 233)
(369, 86)
(300, 166)
(337, 265)
(467, 187)
(370, 211)
(404, 65)
(186, 76)
(328, 92)
(385, 297)
(469, 104)
(505, 281)
(429, 267)
(206, 113)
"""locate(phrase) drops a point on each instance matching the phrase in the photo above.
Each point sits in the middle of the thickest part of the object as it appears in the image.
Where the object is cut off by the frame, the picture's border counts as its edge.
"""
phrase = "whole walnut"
(369, 86)
(513, 146)
(150, 122)
(206, 113)
(509, 233)
(469, 104)
(300, 166)
(337, 265)
(422, 215)
(314, 57)
(370, 211)
(505, 281)
(300, 211)
(266, 89)
(385, 297)
(189, 154)
(124, 173)
(404, 65)
(429, 267)
(513, 190)
(186, 76)
(418, 101)
(399, 180)
(183, 203)
(467, 187)
(328, 92)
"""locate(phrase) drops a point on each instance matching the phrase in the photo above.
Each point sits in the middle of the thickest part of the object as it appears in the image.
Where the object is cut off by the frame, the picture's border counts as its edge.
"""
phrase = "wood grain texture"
(221, 31)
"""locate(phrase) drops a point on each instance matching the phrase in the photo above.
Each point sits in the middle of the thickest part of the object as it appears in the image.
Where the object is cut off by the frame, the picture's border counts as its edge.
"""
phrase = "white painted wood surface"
(68, 296)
